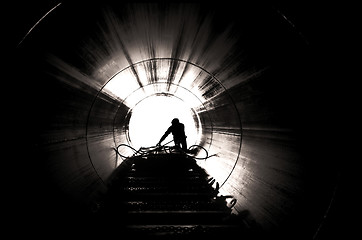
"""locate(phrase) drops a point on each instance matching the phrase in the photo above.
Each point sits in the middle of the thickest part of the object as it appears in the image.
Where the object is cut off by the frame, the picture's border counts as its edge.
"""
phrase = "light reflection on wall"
(126, 54)
(139, 75)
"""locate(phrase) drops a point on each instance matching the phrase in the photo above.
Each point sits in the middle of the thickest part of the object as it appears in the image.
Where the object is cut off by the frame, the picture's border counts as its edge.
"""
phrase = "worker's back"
(178, 130)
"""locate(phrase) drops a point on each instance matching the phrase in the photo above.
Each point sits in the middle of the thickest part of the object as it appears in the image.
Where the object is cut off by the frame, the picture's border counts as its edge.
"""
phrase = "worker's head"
(175, 121)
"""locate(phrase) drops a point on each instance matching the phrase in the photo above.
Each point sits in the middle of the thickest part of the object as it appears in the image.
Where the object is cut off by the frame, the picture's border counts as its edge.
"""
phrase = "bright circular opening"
(151, 117)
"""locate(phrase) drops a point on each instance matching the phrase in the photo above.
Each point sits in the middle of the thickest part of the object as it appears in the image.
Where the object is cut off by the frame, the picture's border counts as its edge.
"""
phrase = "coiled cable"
(193, 151)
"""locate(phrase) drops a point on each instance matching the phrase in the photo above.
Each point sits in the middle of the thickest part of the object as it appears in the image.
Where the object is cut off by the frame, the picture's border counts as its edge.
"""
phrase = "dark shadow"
(168, 196)
(178, 132)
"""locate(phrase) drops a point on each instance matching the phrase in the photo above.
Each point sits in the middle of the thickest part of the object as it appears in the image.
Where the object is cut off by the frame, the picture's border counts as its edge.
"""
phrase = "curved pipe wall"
(249, 68)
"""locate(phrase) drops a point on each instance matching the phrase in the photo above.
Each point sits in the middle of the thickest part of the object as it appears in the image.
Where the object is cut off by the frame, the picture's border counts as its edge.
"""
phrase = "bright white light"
(152, 116)
(122, 85)
(131, 87)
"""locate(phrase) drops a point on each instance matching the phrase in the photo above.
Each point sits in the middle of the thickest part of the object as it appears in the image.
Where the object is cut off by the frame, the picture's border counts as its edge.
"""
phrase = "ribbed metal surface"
(252, 72)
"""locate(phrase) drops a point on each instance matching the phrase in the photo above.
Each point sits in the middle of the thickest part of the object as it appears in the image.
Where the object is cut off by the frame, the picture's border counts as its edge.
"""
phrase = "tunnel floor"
(169, 196)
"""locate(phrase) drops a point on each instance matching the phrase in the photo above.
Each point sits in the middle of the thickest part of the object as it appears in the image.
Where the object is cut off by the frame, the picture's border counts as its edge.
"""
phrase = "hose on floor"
(195, 151)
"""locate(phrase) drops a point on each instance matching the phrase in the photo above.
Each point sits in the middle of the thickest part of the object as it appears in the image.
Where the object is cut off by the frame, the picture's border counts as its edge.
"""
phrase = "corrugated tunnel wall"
(245, 72)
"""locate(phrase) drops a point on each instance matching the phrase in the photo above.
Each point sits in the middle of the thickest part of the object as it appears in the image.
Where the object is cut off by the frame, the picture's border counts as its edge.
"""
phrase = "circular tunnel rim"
(170, 59)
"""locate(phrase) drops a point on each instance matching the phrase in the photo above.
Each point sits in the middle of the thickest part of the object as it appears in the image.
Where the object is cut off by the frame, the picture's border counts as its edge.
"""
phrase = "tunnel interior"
(98, 75)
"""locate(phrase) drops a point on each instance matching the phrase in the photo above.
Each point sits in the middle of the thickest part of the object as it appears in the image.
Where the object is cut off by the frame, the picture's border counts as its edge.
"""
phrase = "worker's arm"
(164, 135)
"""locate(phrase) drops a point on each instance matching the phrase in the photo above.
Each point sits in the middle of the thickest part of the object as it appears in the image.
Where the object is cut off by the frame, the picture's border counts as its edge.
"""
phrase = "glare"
(151, 117)
(133, 84)
(122, 85)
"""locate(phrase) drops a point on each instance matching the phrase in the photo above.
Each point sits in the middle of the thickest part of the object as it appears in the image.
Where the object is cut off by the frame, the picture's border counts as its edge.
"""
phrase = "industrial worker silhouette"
(178, 131)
